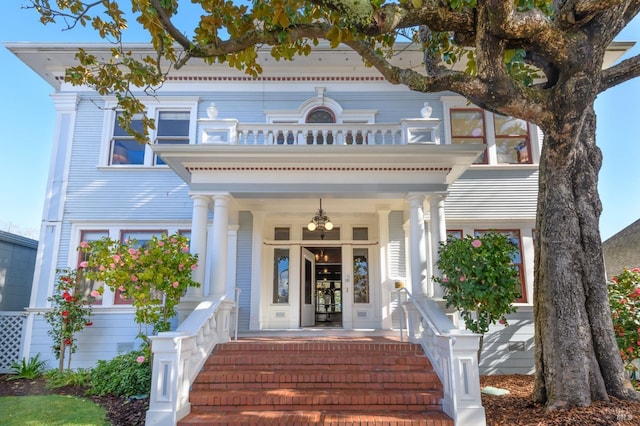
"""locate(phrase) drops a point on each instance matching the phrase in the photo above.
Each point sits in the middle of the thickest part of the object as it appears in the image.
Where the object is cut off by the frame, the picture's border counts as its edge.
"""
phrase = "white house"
(242, 165)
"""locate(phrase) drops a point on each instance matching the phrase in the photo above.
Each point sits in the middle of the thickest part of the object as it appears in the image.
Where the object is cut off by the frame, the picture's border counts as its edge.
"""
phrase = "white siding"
(510, 193)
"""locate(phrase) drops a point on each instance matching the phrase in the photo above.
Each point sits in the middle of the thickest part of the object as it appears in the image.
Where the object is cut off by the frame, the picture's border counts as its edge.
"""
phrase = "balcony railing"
(213, 131)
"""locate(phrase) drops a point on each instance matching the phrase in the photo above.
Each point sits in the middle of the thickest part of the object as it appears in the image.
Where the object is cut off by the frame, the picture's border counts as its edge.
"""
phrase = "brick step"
(315, 399)
(303, 379)
(316, 418)
(306, 346)
(329, 361)
(270, 381)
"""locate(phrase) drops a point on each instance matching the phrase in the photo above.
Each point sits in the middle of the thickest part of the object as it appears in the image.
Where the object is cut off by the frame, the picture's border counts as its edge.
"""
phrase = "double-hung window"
(174, 124)
(467, 127)
(124, 148)
(173, 128)
(512, 140)
(507, 139)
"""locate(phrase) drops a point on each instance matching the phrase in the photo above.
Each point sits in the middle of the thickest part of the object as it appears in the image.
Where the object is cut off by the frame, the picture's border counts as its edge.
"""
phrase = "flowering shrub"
(479, 279)
(153, 276)
(624, 298)
(70, 314)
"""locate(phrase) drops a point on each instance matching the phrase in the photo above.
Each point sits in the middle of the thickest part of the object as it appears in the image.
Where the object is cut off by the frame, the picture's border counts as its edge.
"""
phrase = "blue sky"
(28, 119)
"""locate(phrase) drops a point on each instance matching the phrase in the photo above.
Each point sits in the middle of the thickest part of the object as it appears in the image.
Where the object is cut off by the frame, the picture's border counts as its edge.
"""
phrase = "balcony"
(231, 132)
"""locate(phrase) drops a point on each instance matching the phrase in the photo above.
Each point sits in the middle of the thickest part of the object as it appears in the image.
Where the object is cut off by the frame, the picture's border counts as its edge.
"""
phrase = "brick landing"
(326, 380)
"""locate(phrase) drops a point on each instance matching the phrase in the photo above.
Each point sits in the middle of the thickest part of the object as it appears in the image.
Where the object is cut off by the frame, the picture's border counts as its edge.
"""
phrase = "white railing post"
(454, 356)
(178, 357)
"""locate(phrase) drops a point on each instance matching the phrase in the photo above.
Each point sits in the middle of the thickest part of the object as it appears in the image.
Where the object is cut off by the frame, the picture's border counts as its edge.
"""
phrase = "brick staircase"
(330, 381)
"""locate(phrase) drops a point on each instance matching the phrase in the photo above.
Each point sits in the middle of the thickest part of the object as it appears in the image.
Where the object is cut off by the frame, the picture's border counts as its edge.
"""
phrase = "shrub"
(624, 298)
(31, 369)
(479, 278)
(125, 375)
(154, 276)
(58, 379)
(70, 314)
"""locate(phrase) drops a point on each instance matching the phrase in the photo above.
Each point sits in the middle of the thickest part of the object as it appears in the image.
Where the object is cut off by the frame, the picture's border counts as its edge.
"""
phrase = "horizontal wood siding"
(110, 334)
(244, 262)
(493, 194)
(509, 350)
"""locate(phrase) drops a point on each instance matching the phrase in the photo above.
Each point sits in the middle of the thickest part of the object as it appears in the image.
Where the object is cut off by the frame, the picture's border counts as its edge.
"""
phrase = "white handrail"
(178, 357)
(453, 354)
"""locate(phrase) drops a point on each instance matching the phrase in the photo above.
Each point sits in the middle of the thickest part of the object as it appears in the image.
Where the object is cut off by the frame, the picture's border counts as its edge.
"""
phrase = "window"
(173, 128)
(281, 234)
(514, 236)
(454, 233)
(512, 140)
(360, 234)
(86, 286)
(467, 127)
(281, 275)
(332, 235)
(124, 148)
(360, 275)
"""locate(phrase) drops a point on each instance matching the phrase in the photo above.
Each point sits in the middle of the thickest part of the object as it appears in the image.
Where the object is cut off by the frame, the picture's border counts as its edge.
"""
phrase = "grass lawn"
(50, 410)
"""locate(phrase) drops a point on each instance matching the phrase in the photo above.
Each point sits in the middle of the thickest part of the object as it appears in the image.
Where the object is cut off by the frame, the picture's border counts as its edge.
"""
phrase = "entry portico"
(279, 185)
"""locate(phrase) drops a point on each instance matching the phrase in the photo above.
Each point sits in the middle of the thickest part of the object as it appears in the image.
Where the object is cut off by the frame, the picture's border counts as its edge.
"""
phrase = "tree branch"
(624, 71)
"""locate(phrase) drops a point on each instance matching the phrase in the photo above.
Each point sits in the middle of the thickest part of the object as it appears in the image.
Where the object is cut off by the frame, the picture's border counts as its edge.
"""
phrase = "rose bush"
(70, 313)
(624, 298)
(479, 279)
(154, 276)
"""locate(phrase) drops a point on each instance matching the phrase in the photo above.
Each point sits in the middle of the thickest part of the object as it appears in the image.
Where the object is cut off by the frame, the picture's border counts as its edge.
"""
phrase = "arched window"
(320, 115)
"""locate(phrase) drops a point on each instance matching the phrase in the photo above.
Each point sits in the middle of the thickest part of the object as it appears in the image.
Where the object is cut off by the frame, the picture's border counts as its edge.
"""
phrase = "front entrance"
(321, 293)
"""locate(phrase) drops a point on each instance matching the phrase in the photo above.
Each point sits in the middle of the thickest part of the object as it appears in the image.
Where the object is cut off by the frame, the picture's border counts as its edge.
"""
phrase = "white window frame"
(458, 102)
(153, 107)
(114, 231)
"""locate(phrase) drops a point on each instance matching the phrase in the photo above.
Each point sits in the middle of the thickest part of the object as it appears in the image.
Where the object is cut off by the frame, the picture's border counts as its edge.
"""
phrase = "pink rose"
(84, 244)
(463, 278)
(180, 267)
(84, 264)
(101, 268)
(160, 243)
(476, 243)
(175, 284)
(132, 251)
(185, 249)
(95, 293)
(116, 258)
(134, 278)
(121, 288)
(140, 359)
(194, 267)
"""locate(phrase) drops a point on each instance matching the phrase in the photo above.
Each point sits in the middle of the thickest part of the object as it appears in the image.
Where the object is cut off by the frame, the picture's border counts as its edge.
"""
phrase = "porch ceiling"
(295, 170)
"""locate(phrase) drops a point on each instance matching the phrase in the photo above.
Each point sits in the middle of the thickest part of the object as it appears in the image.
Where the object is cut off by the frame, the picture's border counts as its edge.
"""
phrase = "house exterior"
(17, 264)
(242, 165)
(622, 250)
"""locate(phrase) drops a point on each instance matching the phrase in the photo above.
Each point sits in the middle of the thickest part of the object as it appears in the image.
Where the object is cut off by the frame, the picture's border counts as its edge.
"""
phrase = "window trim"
(153, 108)
(534, 135)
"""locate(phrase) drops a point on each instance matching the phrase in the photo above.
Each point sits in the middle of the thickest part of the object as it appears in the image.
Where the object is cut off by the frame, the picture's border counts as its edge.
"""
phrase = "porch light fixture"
(320, 222)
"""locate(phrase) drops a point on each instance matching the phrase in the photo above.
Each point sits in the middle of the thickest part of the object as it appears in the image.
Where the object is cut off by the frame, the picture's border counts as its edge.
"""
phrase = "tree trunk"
(576, 354)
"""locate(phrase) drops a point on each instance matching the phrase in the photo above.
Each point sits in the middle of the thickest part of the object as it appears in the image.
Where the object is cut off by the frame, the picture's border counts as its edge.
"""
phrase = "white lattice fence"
(11, 334)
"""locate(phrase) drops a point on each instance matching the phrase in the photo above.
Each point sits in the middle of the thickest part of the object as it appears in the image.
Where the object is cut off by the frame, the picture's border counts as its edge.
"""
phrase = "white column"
(438, 228)
(231, 262)
(198, 243)
(417, 243)
(218, 281)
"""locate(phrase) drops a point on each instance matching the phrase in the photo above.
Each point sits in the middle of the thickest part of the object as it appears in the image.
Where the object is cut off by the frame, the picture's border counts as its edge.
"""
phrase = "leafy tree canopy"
(513, 49)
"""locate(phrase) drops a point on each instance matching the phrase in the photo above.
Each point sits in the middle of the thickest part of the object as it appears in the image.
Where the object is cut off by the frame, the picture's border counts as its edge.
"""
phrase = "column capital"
(416, 197)
(437, 197)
